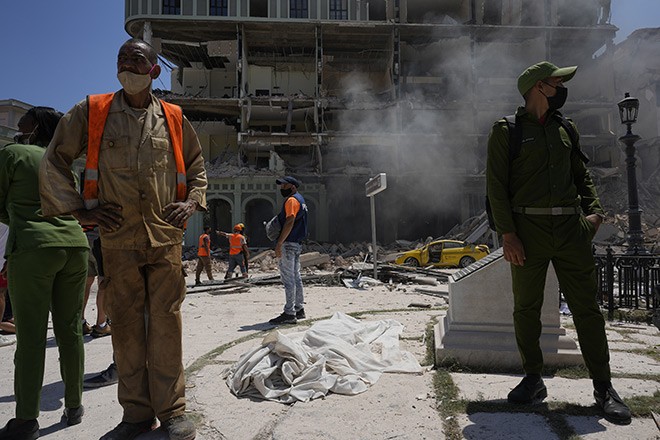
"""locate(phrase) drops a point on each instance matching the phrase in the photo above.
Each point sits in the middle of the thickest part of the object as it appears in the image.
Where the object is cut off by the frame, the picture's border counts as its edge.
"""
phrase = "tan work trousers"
(143, 300)
(203, 263)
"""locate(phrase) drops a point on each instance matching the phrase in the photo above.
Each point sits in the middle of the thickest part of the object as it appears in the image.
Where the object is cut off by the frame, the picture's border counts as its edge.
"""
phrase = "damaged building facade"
(636, 62)
(11, 111)
(336, 91)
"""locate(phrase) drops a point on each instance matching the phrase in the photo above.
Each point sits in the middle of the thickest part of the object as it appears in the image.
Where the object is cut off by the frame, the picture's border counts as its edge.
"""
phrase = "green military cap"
(540, 71)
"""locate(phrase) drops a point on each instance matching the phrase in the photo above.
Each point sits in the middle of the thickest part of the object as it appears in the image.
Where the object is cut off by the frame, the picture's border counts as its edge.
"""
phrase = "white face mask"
(24, 138)
(134, 83)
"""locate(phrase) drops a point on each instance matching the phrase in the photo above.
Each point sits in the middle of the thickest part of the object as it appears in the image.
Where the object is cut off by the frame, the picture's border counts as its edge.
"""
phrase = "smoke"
(432, 140)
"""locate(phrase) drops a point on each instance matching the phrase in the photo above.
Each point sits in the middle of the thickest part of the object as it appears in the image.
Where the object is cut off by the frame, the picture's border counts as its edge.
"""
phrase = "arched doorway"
(258, 211)
(219, 220)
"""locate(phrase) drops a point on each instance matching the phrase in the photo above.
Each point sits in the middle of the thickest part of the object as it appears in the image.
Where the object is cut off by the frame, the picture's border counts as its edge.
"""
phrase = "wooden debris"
(259, 256)
(227, 291)
(420, 305)
(656, 419)
(230, 287)
(432, 292)
(313, 259)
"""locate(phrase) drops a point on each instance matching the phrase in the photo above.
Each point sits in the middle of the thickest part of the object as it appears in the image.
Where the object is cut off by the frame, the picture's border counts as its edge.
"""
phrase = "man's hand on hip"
(514, 252)
(177, 213)
(107, 217)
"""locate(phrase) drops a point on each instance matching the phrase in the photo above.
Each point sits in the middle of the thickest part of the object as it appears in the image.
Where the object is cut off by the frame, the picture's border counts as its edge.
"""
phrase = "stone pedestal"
(478, 329)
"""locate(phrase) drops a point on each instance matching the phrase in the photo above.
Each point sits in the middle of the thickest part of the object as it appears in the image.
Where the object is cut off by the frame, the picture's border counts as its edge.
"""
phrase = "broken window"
(531, 13)
(298, 9)
(338, 9)
(377, 10)
(493, 12)
(171, 7)
(258, 8)
(219, 7)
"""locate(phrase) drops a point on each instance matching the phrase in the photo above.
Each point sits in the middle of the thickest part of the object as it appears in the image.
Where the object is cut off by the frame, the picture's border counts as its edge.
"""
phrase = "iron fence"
(627, 281)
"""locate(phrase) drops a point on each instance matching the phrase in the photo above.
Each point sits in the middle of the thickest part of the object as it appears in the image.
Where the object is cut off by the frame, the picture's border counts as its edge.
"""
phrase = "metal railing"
(627, 281)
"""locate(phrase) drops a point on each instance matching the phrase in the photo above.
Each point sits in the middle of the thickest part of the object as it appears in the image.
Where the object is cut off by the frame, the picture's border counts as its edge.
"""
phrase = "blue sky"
(58, 51)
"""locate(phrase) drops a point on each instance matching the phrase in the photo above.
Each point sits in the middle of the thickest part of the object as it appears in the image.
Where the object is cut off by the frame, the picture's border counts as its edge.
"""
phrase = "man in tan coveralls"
(141, 227)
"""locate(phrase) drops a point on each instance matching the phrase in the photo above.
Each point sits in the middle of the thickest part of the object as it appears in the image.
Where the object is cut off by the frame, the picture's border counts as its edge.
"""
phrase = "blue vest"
(299, 231)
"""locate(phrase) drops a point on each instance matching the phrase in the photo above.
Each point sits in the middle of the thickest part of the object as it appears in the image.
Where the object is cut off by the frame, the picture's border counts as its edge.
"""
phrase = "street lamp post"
(628, 108)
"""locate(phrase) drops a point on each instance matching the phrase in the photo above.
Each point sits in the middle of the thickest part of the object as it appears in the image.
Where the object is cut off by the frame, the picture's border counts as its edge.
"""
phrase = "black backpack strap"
(515, 136)
(572, 134)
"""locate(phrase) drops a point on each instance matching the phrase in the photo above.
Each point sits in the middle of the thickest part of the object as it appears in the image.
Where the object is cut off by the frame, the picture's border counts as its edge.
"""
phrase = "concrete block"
(478, 329)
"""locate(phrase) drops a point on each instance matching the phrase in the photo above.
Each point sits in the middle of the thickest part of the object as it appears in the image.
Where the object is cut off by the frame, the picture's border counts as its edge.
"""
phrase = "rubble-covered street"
(448, 403)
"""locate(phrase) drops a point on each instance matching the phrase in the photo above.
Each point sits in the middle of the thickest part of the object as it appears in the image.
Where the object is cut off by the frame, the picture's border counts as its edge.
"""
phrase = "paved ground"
(219, 328)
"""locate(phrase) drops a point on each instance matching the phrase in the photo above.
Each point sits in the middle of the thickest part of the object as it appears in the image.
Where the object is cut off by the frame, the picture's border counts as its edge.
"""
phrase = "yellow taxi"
(444, 253)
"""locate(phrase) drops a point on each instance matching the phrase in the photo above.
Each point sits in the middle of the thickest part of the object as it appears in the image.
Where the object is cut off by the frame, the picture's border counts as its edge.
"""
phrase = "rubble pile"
(219, 168)
(463, 230)
(326, 264)
(614, 198)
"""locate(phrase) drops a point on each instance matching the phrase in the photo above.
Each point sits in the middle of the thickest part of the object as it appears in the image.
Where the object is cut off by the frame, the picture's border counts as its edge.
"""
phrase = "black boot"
(529, 389)
(614, 409)
(15, 430)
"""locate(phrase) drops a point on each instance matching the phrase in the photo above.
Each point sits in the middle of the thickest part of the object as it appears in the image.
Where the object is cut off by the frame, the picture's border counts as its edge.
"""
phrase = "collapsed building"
(636, 65)
(336, 91)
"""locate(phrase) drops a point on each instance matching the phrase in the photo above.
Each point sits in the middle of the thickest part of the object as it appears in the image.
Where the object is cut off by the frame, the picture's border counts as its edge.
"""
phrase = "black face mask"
(286, 192)
(556, 102)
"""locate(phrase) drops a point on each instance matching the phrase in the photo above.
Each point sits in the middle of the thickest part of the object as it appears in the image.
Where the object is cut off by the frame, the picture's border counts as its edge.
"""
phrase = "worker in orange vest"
(144, 178)
(238, 251)
(204, 255)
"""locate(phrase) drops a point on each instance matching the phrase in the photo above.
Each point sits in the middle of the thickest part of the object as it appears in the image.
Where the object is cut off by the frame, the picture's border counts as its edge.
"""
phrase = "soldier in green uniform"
(545, 206)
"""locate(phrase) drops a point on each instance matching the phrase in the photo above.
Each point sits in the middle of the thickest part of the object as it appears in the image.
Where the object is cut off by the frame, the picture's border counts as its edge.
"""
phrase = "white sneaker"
(6, 341)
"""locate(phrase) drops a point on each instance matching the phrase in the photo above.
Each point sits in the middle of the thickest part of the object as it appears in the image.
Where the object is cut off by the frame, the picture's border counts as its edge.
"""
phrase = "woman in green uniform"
(47, 268)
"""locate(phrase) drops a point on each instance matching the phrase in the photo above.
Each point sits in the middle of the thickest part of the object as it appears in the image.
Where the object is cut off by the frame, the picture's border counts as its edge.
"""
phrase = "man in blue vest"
(293, 219)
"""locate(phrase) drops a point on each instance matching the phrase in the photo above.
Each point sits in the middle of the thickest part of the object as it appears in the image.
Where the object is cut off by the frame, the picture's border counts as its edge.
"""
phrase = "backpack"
(515, 144)
(273, 228)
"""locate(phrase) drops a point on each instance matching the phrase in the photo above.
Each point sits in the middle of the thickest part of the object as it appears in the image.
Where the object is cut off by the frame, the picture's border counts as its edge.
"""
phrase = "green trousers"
(564, 240)
(43, 280)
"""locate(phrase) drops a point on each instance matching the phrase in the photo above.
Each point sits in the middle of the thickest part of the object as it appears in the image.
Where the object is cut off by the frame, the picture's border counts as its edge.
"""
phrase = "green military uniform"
(47, 267)
(548, 174)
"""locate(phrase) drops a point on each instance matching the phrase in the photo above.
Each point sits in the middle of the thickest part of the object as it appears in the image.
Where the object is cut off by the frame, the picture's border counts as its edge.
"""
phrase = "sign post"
(372, 187)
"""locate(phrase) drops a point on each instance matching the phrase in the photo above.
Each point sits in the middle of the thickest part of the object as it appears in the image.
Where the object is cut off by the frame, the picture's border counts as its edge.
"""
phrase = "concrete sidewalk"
(219, 328)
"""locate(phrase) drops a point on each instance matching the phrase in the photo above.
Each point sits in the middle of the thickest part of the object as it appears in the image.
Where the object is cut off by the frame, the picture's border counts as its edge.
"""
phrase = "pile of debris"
(220, 168)
(613, 195)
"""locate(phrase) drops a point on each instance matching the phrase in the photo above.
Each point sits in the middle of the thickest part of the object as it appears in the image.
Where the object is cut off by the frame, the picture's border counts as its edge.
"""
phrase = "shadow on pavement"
(261, 326)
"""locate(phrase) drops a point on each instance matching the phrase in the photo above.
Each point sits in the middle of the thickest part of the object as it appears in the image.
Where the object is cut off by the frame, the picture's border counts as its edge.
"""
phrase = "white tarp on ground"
(341, 354)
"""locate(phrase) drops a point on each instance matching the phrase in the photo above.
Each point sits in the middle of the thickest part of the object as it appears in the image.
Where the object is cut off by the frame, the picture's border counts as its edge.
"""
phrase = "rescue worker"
(144, 178)
(204, 256)
(246, 257)
(293, 218)
(238, 251)
(545, 206)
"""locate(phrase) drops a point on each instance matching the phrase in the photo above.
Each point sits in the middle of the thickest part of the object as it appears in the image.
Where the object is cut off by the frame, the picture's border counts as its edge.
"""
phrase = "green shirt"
(545, 174)
(20, 205)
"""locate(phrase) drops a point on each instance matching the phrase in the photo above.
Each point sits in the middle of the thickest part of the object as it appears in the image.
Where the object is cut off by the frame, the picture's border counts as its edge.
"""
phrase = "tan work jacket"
(137, 171)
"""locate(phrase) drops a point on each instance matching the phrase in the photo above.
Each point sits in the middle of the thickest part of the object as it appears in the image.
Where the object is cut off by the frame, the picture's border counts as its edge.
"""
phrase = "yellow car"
(444, 253)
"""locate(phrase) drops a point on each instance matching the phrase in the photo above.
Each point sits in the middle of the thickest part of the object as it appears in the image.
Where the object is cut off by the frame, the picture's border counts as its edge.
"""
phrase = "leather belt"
(556, 210)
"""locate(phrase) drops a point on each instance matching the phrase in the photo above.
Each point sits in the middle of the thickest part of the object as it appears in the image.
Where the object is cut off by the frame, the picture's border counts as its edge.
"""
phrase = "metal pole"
(635, 240)
(374, 252)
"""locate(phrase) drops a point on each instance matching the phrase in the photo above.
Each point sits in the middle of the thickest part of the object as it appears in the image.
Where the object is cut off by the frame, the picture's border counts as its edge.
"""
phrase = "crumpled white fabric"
(341, 354)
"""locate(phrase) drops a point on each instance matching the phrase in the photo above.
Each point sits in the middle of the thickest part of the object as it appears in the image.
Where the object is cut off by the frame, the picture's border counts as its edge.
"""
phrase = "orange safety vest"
(98, 108)
(202, 251)
(235, 245)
